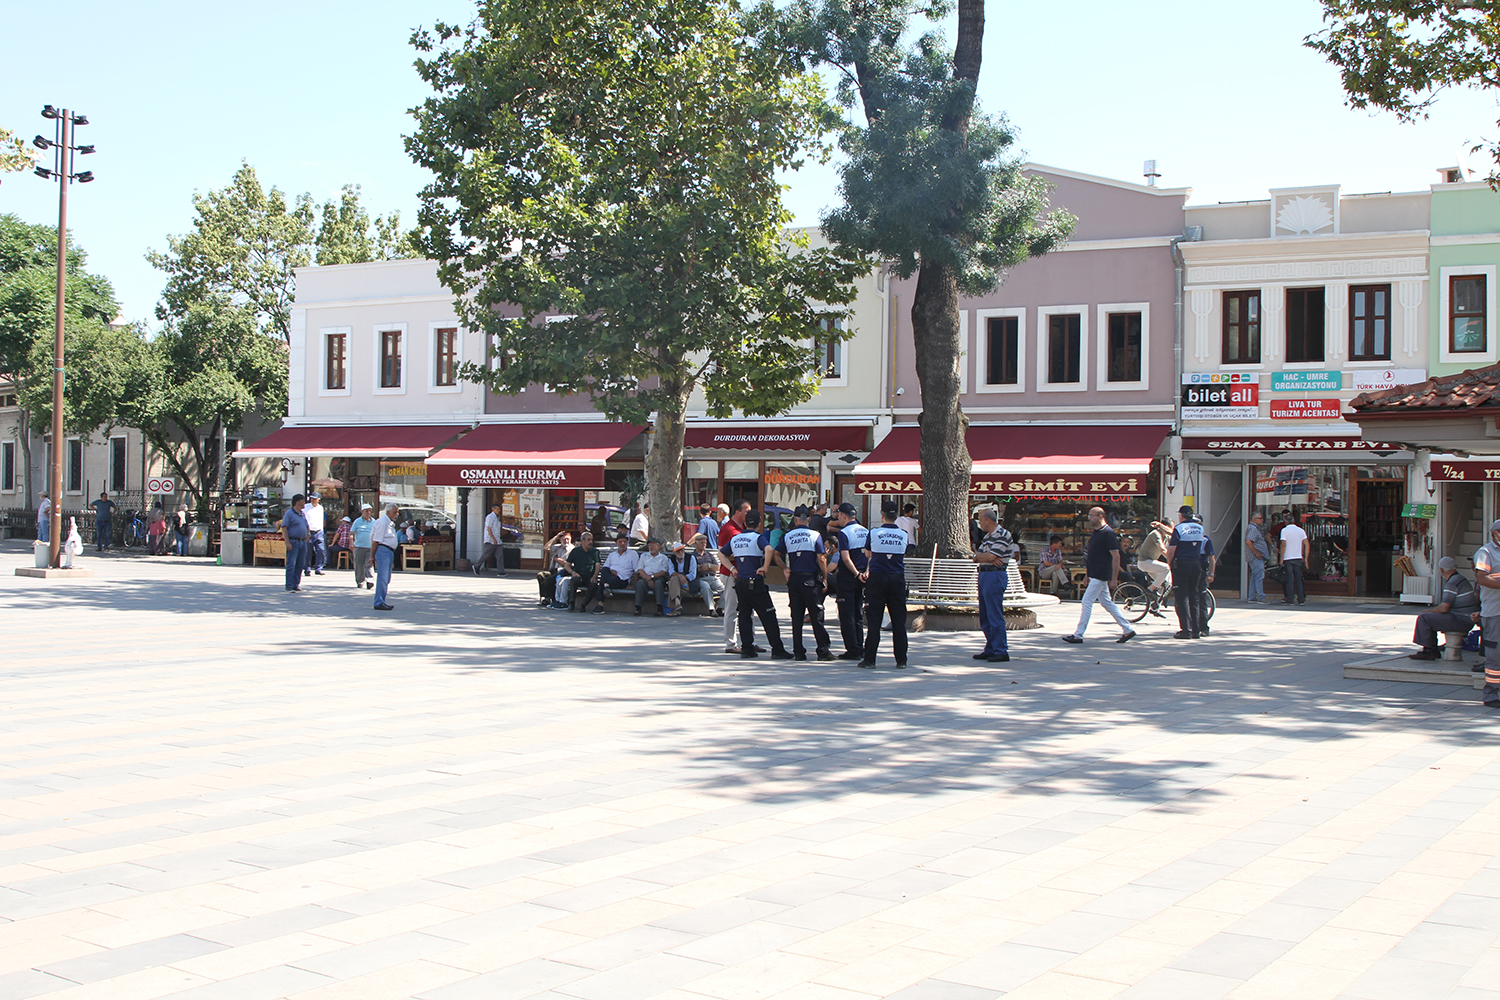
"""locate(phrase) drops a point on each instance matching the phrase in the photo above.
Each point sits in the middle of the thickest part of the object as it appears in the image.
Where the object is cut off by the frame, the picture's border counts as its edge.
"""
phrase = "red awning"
(565, 456)
(1063, 460)
(760, 437)
(351, 442)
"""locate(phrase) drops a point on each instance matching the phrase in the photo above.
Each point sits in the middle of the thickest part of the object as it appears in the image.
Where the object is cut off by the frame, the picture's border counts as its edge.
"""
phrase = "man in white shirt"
(907, 522)
(492, 545)
(1294, 548)
(619, 567)
(652, 573)
(640, 528)
(44, 518)
(383, 547)
(317, 550)
(1487, 580)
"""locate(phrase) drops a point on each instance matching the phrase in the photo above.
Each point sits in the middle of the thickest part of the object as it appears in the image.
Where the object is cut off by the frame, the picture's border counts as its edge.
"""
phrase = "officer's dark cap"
(1185, 509)
(890, 507)
(847, 508)
(801, 510)
(752, 518)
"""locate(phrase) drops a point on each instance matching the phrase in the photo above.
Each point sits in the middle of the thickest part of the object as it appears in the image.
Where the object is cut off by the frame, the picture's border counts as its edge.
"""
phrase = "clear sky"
(314, 95)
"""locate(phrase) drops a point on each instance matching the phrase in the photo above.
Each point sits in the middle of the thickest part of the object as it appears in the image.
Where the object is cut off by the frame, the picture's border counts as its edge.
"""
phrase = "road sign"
(158, 487)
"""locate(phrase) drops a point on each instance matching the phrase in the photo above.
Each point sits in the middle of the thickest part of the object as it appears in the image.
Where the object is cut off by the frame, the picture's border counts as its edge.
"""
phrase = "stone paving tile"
(131, 958)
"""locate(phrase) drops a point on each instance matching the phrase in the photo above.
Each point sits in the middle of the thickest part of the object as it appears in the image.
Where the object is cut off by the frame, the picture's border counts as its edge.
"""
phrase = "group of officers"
(867, 574)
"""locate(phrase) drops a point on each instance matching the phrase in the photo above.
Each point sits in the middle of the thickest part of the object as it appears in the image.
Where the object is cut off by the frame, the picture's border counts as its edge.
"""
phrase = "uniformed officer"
(802, 554)
(849, 584)
(885, 585)
(1185, 552)
(751, 551)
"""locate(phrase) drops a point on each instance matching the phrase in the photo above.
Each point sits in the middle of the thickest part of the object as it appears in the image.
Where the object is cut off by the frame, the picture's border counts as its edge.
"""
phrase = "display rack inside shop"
(564, 512)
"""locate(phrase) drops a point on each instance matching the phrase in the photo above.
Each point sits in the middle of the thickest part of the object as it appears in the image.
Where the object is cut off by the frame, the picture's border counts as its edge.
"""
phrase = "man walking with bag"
(1103, 565)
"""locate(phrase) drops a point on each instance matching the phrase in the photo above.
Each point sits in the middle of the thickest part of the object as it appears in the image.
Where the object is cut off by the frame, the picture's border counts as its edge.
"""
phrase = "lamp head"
(42, 143)
(43, 173)
(84, 177)
(85, 150)
(48, 111)
(80, 119)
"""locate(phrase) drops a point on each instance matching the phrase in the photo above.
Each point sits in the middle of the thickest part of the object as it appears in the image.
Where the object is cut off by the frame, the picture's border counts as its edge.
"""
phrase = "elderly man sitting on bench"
(1454, 614)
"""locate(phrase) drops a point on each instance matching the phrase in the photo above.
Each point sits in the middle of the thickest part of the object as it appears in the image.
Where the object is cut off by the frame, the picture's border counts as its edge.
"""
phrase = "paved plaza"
(215, 790)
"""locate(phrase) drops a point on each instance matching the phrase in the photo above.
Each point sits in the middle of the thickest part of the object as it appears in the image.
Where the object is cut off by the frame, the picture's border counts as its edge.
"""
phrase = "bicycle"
(1136, 601)
(135, 530)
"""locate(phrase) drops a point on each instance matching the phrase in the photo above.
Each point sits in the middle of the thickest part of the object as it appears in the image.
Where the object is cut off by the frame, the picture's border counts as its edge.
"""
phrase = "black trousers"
(885, 592)
(755, 599)
(585, 591)
(1292, 588)
(806, 592)
(850, 593)
(1187, 591)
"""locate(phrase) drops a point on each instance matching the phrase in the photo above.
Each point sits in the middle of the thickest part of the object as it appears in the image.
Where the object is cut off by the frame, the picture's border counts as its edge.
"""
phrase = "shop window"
(335, 361)
(1466, 309)
(1369, 322)
(1241, 328)
(445, 356)
(1064, 348)
(1002, 350)
(7, 466)
(390, 359)
(117, 464)
(829, 352)
(1124, 333)
(75, 466)
(1304, 325)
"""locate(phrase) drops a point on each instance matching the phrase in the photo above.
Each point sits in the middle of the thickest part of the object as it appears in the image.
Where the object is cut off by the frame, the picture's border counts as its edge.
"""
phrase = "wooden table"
(269, 548)
(424, 556)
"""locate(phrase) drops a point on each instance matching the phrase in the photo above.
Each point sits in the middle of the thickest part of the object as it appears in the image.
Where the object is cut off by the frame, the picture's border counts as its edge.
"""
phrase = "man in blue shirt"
(359, 532)
(885, 585)
(708, 527)
(104, 507)
(849, 584)
(802, 554)
(751, 552)
(294, 529)
(1186, 550)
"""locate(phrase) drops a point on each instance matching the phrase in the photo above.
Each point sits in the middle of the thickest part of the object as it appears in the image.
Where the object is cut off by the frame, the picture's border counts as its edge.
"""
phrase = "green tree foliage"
(246, 243)
(1398, 56)
(931, 185)
(15, 154)
(615, 161)
(28, 301)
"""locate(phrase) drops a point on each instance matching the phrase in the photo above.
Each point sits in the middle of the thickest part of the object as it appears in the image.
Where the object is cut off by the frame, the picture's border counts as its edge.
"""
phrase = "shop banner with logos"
(1220, 396)
(566, 477)
(1376, 379)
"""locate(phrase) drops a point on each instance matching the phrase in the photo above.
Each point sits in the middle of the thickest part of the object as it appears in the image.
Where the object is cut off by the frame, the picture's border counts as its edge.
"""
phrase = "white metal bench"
(954, 583)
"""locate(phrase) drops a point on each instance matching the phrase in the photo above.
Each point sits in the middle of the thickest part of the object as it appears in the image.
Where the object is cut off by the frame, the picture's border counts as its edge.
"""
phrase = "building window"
(1002, 350)
(117, 464)
(1466, 326)
(1124, 347)
(336, 363)
(1304, 325)
(75, 465)
(7, 400)
(1064, 348)
(1242, 328)
(390, 359)
(1369, 322)
(829, 352)
(446, 360)
(7, 466)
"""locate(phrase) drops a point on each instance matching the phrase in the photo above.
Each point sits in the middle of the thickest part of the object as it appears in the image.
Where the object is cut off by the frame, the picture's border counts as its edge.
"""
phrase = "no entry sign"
(157, 486)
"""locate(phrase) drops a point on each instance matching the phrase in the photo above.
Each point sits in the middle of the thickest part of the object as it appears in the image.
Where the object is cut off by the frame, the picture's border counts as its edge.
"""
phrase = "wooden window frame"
(75, 466)
(7, 466)
(336, 361)
(1454, 314)
(1245, 297)
(1073, 330)
(1109, 346)
(1309, 318)
(390, 374)
(1007, 329)
(1354, 319)
(445, 356)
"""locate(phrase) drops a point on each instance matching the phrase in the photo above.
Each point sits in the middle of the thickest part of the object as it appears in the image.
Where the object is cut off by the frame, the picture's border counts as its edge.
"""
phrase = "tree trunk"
(664, 466)
(26, 459)
(946, 465)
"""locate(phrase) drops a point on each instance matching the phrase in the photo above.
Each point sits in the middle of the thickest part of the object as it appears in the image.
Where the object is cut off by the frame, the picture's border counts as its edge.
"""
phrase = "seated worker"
(580, 584)
(619, 567)
(710, 581)
(1454, 614)
(1052, 567)
(652, 574)
(684, 574)
(1151, 556)
(342, 540)
(554, 565)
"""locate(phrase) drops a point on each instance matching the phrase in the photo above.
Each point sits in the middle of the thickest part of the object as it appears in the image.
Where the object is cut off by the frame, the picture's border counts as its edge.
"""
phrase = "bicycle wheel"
(1132, 600)
(132, 536)
(1208, 606)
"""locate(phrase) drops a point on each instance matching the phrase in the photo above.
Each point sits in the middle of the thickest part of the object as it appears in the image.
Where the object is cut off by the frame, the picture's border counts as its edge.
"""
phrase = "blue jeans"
(182, 543)
(296, 561)
(1257, 579)
(992, 584)
(317, 554)
(102, 533)
(44, 529)
(384, 559)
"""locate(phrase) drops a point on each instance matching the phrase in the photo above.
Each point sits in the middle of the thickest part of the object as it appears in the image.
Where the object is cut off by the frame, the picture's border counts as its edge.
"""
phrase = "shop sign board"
(1305, 409)
(1274, 443)
(156, 486)
(1320, 381)
(1375, 379)
(1427, 510)
(1466, 471)
(1021, 486)
(743, 436)
(571, 477)
(1220, 396)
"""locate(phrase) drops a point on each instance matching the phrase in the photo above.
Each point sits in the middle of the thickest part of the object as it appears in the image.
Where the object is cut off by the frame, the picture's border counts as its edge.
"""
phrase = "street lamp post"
(63, 149)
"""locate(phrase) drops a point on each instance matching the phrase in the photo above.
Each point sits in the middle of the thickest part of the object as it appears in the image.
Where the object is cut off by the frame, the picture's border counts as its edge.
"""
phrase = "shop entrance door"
(1221, 498)
(741, 489)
